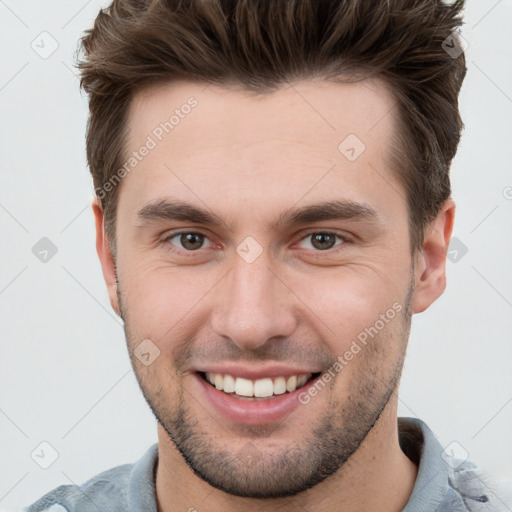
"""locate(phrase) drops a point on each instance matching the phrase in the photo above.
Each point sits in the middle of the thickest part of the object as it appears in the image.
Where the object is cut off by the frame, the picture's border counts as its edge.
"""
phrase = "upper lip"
(254, 372)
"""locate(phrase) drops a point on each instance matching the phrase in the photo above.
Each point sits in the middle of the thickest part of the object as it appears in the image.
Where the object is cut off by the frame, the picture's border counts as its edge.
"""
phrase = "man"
(273, 204)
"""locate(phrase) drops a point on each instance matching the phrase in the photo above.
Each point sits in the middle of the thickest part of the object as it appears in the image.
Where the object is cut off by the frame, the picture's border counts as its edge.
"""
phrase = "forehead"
(220, 139)
(304, 111)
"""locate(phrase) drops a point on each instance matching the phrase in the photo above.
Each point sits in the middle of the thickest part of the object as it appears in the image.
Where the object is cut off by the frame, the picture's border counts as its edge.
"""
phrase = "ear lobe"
(430, 267)
(108, 265)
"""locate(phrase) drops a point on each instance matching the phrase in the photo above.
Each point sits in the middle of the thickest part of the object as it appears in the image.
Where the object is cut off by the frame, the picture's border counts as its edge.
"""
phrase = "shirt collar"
(141, 490)
(421, 445)
(416, 440)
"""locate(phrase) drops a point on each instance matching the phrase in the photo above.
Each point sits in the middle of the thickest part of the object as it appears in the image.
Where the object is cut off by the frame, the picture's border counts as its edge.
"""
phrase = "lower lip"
(252, 412)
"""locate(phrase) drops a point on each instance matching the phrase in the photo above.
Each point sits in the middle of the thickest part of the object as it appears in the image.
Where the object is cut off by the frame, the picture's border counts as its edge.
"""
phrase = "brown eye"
(186, 241)
(322, 240)
(191, 241)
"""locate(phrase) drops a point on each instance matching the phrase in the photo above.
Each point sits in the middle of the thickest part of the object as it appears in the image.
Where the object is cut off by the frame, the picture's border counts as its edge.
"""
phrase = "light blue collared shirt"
(443, 484)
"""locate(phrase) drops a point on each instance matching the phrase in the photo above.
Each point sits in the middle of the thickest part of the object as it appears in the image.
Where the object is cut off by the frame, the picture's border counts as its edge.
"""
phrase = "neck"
(378, 476)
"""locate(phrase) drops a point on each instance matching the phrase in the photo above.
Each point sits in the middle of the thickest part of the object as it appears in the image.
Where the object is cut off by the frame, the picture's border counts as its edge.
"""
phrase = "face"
(254, 240)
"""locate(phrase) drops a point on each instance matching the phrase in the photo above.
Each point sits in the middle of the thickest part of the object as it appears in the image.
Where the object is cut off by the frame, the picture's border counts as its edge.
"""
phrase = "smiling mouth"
(260, 389)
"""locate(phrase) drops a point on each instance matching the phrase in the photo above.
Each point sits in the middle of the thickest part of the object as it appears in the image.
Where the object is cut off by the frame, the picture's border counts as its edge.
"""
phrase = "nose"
(253, 304)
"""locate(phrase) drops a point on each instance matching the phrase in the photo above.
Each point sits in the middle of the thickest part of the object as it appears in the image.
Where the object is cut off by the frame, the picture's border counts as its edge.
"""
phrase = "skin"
(247, 158)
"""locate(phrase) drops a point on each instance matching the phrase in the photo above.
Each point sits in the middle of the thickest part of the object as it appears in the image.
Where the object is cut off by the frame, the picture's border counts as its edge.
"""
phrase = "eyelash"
(319, 252)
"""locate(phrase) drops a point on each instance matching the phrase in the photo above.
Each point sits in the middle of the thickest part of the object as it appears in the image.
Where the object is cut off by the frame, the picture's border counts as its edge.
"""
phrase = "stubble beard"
(252, 471)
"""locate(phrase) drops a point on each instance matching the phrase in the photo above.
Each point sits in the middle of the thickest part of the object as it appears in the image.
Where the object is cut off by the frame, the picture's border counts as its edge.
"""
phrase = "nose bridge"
(254, 305)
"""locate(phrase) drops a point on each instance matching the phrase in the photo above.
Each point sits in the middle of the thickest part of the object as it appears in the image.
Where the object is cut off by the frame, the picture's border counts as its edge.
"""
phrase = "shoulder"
(447, 483)
(106, 491)
(479, 489)
(114, 490)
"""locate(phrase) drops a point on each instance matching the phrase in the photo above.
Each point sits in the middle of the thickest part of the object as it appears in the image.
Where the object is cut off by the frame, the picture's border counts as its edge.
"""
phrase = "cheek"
(164, 303)
(159, 301)
(348, 303)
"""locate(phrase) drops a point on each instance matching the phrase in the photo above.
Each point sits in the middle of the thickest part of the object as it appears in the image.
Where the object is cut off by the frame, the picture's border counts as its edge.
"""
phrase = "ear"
(430, 264)
(108, 265)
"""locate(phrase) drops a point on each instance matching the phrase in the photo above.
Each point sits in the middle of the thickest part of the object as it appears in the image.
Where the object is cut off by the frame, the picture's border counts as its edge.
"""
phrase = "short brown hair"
(260, 45)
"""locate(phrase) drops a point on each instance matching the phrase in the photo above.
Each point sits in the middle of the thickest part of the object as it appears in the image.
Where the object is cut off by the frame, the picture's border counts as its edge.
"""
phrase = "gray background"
(64, 370)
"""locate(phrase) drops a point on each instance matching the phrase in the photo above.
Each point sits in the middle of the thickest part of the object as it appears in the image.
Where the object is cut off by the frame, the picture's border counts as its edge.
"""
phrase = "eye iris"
(318, 239)
(191, 241)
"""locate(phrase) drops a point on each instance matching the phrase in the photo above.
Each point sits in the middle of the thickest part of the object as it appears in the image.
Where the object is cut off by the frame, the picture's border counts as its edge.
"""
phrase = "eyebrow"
(165, 209)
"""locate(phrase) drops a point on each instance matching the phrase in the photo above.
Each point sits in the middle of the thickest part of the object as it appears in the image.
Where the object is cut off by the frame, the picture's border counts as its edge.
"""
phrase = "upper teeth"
(258, 388)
